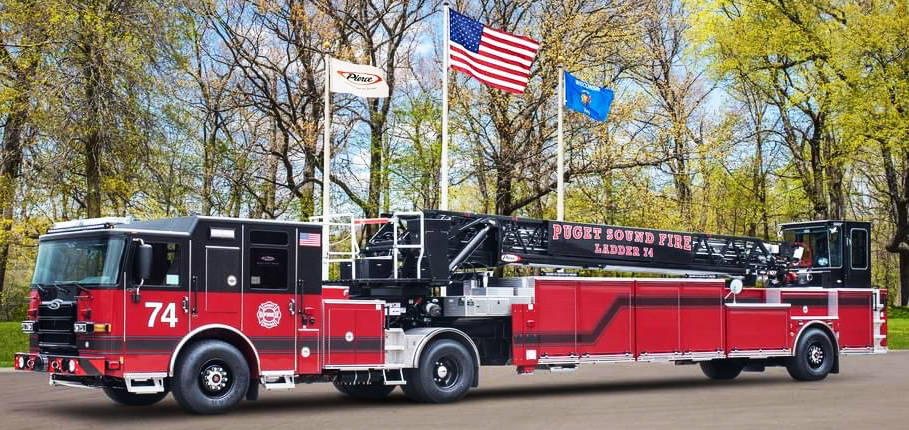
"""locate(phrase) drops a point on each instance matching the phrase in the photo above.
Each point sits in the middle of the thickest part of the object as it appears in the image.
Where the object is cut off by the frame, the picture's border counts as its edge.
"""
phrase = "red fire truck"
(211, 309)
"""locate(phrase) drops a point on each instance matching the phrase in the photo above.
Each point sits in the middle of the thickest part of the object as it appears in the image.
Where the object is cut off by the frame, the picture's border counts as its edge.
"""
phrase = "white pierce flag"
(357, 79)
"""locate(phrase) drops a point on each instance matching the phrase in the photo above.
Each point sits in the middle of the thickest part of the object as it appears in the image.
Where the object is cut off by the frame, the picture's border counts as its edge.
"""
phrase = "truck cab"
(115, 301)
(829, 253)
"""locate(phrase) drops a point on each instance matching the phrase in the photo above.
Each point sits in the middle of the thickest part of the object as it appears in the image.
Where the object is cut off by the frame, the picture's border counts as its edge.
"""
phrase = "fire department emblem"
(269, 315)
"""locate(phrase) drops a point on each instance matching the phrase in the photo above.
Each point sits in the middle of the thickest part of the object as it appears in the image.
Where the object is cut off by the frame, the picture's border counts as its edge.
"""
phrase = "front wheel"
(365, 392)
(814, 356)
(212, 377)
(123, 397)
(445, 373)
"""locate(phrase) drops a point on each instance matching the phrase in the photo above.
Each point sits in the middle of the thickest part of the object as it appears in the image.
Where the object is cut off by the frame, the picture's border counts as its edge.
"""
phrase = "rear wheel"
(366, 392)
(722, 369)
(814, 356)
(123, 397)
(445, 373)
(212, 377)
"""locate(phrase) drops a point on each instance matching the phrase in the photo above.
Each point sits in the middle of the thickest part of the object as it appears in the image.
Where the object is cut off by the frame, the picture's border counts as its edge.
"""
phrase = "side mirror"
(144, 261)
(735, 286)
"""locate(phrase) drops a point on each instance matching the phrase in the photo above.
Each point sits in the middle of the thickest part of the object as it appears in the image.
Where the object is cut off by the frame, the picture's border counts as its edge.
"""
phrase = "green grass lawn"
(12, 340)
(898, 328)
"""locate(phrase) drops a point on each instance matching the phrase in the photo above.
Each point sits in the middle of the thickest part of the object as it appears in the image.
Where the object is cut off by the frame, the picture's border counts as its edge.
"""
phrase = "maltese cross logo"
(269, 315)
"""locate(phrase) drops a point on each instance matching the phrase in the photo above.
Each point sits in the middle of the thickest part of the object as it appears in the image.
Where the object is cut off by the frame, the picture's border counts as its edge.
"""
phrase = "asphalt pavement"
(869, 392)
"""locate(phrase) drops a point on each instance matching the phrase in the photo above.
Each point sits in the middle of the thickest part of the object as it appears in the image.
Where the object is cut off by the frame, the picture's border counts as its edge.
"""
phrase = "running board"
(277, 379)
(393, 376)
(144, 383)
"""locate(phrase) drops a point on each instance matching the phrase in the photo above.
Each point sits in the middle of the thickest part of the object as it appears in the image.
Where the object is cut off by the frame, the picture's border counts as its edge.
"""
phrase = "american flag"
(498, 59)
(310, 239)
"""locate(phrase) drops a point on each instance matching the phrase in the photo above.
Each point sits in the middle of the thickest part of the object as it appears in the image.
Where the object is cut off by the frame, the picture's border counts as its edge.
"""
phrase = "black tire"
(123, 397)
(724, 369)
(365, 392)
(211, 377)
(446, 372)
(814, 356)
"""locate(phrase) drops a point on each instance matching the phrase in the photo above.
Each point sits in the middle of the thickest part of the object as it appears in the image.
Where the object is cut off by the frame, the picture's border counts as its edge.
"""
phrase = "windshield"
(80, 261)
(821, 246)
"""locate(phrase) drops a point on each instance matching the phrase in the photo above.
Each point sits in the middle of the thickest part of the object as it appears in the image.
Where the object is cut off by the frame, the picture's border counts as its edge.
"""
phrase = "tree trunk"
(904, 279)
(10, 163)
(92, 139)
(504, 192)
(209, 142)
(375, 162)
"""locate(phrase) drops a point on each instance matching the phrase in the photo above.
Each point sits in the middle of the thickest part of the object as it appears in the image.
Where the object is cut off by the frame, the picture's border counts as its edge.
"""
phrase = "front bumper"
(62, 365)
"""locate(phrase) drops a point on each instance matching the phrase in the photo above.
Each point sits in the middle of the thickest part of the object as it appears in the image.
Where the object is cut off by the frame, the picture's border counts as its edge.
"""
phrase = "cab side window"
(165, 270)
(859, 249)
(268, 268)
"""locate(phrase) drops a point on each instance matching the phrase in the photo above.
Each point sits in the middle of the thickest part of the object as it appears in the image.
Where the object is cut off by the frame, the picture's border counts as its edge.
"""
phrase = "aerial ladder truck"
(214, 309)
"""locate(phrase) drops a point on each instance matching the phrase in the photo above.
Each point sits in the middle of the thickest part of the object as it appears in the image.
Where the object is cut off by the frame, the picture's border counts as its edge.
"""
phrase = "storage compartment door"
(354, 334)
(657, 317)
(701, 320)
(556, 324)
(605, 324)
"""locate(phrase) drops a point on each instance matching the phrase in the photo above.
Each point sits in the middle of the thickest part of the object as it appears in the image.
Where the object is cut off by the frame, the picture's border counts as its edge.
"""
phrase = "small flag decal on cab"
(310, 239)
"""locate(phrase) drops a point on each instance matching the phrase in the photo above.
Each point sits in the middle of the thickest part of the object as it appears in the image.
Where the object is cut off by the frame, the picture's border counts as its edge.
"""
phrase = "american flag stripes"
(310, 239)
(498, 59)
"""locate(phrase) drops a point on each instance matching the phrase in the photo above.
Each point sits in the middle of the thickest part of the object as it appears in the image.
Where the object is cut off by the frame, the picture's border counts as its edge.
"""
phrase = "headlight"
(71, 366)
(28, 326)
(80, 327)
(20, 362)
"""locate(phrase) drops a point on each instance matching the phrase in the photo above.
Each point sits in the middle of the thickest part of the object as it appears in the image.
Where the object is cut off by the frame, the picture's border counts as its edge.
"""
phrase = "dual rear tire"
(365, 392)
(444, 374)
(723, 369)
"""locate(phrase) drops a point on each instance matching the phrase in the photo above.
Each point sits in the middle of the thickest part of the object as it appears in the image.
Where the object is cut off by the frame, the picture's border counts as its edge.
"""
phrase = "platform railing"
(328, 256)
(351, 222)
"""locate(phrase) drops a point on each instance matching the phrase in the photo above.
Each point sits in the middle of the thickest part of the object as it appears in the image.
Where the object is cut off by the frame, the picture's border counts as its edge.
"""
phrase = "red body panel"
(354, 334)
(605, 318)
(855, 319)
(757, 329)
(573, 319)
(657, 317)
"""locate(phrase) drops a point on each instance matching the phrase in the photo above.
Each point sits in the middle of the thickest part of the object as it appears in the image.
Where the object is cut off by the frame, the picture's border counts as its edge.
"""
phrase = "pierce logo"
(360, 79)
(269, 315)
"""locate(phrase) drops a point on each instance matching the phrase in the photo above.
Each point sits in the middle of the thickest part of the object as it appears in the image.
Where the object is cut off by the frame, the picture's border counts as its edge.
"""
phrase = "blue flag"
(590, 100)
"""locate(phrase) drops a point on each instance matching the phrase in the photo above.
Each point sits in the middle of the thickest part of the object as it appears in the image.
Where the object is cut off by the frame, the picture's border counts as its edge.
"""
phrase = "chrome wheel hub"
(446, 372)
(441, 371)
(214, 378)
(815, 355)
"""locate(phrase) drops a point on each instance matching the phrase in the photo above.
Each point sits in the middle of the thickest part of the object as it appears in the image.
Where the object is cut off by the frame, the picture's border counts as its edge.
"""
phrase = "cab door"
(156, 313)
(269, 294)
(215, 284)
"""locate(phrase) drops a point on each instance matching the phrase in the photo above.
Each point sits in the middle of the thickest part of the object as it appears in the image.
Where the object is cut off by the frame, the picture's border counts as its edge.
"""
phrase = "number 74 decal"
(169, 316)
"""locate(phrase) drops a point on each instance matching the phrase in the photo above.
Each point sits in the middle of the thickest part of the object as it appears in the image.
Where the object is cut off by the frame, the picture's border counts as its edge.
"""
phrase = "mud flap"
(252, 393)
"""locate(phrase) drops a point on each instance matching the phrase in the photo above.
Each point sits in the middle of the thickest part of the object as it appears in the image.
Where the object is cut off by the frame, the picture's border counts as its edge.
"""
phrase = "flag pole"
(443, 176)
(326, 169)
(560, 180)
